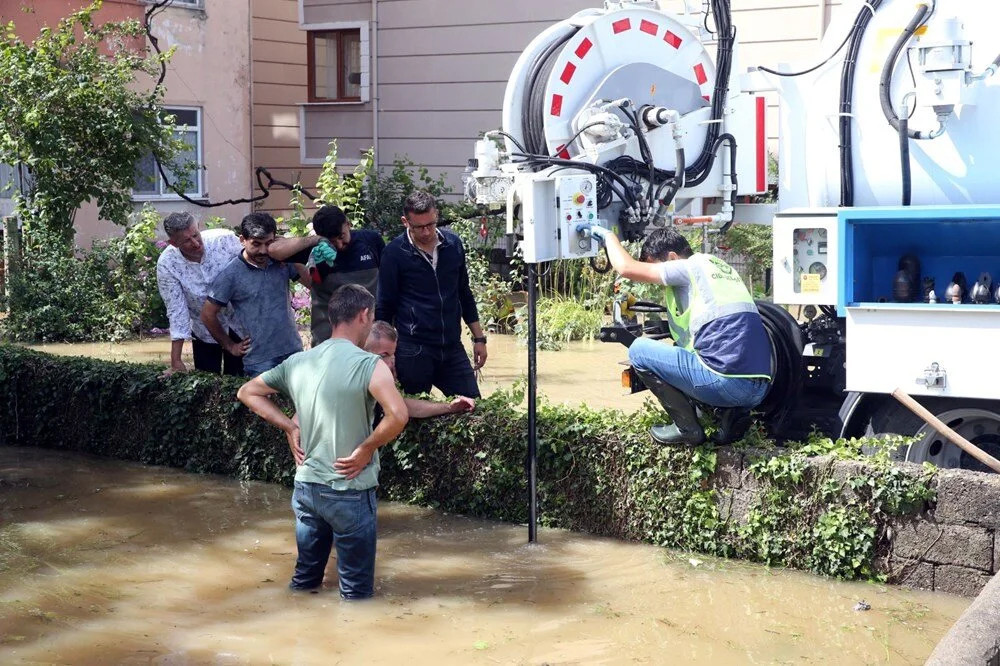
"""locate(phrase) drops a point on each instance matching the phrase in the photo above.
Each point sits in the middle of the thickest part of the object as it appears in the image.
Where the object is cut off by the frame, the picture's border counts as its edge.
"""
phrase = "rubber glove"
(599, 233)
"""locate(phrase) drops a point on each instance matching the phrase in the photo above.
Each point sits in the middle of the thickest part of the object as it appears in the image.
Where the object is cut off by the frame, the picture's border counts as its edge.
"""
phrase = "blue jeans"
(684, 371)
(252, 370)
(421, 366)
(325, 517)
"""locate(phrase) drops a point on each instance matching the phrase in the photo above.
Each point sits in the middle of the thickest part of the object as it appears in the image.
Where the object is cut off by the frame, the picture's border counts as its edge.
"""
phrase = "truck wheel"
(976, 420)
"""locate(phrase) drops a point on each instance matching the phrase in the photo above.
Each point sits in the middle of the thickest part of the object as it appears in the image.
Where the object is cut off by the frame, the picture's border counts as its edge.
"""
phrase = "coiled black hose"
(786, 361)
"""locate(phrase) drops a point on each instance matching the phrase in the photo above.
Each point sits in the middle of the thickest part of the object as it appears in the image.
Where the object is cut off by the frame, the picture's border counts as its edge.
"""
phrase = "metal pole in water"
(532, 379)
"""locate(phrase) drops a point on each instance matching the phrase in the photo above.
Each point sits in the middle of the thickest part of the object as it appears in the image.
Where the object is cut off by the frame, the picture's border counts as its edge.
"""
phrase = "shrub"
(599, 472)
(108, 293)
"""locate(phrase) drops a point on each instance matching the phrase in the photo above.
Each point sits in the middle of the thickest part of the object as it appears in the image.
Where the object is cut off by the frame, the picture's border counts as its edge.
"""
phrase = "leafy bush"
(560, 320)
(599, 472)
(108, 293)
(384, 192)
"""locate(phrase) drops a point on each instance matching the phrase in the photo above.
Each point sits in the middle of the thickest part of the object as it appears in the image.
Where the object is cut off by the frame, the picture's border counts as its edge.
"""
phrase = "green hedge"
(598, 470)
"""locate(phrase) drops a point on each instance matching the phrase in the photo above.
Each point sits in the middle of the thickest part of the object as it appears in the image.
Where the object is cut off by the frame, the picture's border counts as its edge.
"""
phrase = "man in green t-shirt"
(334, 387)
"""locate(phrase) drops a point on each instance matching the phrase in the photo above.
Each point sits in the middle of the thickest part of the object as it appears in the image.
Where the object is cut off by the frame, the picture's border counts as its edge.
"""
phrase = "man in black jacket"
(423, 289)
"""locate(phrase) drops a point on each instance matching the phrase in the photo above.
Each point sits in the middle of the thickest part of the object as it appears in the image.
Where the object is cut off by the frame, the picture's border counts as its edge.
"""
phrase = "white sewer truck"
(887, 227)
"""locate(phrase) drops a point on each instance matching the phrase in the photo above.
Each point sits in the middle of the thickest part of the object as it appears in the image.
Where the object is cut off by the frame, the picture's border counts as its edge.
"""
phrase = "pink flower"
(161, 244)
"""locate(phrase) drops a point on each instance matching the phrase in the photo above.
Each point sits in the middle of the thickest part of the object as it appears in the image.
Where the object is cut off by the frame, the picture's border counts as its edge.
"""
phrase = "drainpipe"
(374, 80)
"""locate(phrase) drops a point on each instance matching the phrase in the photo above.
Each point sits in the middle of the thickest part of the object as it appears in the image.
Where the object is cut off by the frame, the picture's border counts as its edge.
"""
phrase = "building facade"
(424, 78)
(207, 91)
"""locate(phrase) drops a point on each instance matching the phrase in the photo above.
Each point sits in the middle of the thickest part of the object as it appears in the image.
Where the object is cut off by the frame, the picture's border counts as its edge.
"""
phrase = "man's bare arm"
(210, 317)
(283, 248)
(254, 394)
(424, 409)
(625, 265)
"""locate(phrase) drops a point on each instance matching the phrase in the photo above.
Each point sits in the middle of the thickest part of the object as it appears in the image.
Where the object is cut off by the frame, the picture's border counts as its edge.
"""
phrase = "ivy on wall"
(599, 472)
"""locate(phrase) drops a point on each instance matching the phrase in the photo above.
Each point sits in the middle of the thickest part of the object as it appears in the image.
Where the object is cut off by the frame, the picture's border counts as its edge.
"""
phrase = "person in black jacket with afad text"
(423, 290)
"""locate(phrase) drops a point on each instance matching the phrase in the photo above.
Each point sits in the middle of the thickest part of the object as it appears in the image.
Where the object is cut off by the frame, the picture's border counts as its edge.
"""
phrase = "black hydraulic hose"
(674, 184)
(885, 80)
(532, 108)
(699, 171)
(861, 22)
(904, 158)
(729, 138)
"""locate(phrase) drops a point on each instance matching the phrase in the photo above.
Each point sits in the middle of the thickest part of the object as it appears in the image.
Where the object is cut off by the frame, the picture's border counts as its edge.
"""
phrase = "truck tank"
(957, 167)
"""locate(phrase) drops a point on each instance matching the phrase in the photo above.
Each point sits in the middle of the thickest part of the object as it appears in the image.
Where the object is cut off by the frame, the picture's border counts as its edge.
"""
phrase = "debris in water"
(862, 606)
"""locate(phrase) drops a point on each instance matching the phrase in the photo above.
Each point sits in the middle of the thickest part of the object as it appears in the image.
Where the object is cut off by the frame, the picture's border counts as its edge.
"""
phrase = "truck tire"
(976, 420)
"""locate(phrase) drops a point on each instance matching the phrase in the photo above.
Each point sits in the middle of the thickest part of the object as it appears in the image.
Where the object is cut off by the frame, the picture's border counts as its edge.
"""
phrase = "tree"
(75, 114)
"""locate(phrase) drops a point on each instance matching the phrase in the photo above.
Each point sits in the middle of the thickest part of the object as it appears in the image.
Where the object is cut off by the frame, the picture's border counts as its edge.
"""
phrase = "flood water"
(110, 562)
(581, 373)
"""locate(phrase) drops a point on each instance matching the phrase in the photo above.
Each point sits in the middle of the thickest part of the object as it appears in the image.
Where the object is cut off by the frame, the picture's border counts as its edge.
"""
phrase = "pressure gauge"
(818, 268)
(586, 186)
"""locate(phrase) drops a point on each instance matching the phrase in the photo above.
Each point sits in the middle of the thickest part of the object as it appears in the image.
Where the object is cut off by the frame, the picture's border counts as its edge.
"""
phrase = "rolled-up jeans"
(345, 518)
(684, 371)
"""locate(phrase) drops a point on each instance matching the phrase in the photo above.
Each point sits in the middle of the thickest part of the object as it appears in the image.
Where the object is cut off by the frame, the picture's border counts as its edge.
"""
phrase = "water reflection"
(581, 373)
(110, 562)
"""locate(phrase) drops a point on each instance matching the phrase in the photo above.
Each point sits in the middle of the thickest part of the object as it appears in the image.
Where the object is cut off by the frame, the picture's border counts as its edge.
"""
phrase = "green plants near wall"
(599, 472)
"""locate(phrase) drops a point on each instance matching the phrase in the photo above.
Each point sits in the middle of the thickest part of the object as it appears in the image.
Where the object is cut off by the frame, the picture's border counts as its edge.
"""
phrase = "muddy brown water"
(581, 373)
(104, 562)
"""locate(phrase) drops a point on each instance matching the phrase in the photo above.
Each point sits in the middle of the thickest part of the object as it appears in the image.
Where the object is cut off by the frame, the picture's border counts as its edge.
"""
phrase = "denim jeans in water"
(343, 518)
(683, 370)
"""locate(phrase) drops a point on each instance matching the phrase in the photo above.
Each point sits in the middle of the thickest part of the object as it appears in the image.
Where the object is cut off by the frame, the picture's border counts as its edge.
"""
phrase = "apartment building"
(207, 90)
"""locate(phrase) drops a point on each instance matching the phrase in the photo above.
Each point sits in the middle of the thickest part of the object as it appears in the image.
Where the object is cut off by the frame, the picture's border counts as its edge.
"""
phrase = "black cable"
(904, 159)
(731, 140)
(587, 166)
(577, 135)
(260, 173)
(885, 80)
(814, 68)
(517, 144)
(846, 105)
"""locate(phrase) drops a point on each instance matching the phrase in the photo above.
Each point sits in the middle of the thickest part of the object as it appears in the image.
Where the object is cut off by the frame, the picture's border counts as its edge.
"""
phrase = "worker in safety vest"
(721, 354)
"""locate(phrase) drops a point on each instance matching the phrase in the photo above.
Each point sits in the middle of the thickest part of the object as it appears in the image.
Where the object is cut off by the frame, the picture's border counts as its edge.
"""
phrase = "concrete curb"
(975, 638)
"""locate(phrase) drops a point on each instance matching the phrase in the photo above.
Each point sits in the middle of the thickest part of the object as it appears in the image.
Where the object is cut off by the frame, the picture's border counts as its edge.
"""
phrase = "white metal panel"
(891, 345)
(795, 236)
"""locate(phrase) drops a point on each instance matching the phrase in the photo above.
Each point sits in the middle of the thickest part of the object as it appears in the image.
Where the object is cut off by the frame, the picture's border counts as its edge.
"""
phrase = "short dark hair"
(383, 330)
(347, 302)
(662, 242)
(329, 222)
(258, 225)
(419, 202)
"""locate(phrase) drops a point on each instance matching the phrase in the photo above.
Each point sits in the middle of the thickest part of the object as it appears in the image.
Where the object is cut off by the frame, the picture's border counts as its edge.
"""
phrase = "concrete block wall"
(953, 547)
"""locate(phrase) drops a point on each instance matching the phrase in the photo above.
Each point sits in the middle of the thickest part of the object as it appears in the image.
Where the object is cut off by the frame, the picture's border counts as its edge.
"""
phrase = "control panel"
(576, 205)
(805, 258)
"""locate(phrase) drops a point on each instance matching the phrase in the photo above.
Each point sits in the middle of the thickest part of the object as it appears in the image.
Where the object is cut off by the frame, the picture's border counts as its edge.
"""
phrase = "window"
(148, 182)
(14, 179)
(190, 4)
(337, 72)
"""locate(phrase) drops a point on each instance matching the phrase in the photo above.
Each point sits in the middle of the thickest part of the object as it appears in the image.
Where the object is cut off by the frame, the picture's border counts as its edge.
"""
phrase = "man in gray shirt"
(257, 288)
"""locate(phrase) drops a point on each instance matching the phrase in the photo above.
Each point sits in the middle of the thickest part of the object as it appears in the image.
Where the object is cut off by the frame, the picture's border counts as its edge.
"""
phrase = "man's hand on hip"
(353, 464)
(238, 348)
(294, 437)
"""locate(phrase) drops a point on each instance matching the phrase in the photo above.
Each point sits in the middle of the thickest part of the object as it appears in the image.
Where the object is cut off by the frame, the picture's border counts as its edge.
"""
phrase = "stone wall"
(951, 547)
